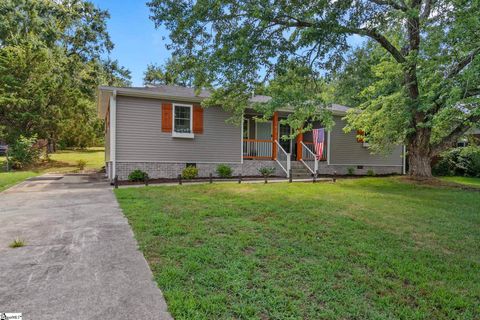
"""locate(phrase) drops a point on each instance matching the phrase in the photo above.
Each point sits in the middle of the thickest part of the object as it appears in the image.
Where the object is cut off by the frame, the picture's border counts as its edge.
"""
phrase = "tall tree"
(50, 66)
(429, 82)
(173, 72)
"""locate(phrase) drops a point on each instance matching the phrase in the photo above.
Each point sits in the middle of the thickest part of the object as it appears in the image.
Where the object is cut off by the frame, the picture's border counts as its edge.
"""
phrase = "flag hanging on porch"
(319, 142)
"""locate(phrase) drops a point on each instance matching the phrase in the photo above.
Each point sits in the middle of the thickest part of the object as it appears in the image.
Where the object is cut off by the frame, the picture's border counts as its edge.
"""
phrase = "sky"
(137, 42)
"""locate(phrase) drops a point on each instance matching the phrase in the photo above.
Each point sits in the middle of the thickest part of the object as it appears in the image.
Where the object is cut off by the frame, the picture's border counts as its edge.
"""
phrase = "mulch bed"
(203, 179)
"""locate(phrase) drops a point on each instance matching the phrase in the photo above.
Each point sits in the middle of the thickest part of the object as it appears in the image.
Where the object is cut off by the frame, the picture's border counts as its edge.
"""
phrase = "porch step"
(301, 173)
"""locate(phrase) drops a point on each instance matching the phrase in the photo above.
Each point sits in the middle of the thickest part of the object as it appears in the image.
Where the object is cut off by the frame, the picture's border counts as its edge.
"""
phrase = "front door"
(264, 132)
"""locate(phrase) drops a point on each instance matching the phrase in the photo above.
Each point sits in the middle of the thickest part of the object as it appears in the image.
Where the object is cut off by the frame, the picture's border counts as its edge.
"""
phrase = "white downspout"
(328, 147)
(113, 132)
(404, 160)
(241, 138)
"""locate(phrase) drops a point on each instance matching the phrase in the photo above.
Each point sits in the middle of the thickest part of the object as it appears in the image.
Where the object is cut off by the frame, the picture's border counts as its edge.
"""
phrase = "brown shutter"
(166, 117)
(362, 134)
(197, 119)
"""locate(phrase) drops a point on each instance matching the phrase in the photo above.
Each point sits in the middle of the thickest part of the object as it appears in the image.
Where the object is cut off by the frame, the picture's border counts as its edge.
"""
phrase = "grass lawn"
(8, 179)
(95, 158)
(373, 248)
(62, 161)
(475, 182)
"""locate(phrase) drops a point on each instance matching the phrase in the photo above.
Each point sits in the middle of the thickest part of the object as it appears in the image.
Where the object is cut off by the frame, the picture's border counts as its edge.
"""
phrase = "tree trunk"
(419, 165)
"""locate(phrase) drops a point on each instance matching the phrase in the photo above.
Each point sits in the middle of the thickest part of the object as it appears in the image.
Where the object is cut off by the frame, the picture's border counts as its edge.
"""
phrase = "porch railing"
(257, 149)
(309, 158)
(283, 159)
(312, 152)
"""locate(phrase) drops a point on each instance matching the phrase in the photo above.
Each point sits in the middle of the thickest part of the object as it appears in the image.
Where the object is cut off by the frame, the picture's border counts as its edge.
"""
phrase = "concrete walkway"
(80, 260)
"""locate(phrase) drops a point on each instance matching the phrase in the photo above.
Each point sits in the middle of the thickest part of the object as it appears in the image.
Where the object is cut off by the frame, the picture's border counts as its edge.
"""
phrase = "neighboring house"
(161, 130)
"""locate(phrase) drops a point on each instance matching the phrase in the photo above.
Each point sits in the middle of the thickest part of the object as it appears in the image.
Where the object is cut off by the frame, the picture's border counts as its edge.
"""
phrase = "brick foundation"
(171, 170)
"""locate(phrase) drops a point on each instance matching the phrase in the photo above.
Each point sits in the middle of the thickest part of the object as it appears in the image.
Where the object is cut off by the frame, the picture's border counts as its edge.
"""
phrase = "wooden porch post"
(274, 134)
(299, 145)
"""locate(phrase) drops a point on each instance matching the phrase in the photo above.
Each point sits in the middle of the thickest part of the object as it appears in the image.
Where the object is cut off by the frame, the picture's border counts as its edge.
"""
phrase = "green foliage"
(370, 173)
(463, 161)
(266, 171)
(17, 243)
(169, 74)
(350, 171)
(22, 153)
(415, 81)
(224, 171)
(137, 175)
(50, 67)
(81, 164)
(190, 172)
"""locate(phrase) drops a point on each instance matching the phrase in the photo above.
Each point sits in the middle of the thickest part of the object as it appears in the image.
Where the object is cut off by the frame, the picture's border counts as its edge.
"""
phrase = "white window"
(182, 121)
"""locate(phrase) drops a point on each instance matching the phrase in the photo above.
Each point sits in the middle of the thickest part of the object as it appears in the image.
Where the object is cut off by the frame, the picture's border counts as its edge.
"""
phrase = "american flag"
(319, 141)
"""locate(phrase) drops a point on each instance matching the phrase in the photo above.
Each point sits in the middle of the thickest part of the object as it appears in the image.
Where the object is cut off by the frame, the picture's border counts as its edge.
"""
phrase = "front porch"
(269, 140)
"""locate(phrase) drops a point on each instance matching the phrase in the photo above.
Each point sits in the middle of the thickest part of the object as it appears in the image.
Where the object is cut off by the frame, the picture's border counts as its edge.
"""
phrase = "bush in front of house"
(22, 153)
(462, 161)
(137, 175)
(224, 171)
(350, 171)
(266, 171)
(190, 172)
(370, 173)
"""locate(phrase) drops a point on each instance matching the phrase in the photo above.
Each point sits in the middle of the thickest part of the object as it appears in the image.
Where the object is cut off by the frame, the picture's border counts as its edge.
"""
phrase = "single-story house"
(163, 129)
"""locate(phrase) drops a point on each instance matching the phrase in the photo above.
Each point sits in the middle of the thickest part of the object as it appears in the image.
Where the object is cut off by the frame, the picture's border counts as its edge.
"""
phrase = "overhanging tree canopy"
(51, 63)
(430, 79)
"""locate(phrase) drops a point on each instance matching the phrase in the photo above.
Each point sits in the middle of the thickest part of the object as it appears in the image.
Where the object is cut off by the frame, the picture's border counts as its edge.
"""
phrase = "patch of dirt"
(434, 182)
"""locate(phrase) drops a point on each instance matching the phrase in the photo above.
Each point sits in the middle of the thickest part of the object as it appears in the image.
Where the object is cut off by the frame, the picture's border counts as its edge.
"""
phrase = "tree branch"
(387, 45)
(453, 137)
(463, 63)
(372, 33)
(394, 4)
(426, 9)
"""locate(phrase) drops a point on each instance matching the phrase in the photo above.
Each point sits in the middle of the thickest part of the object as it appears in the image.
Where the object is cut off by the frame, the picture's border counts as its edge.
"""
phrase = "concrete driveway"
(80, 260)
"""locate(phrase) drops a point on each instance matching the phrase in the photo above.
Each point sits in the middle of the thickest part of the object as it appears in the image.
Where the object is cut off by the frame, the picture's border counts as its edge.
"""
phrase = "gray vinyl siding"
(140, 136)
(344, 149)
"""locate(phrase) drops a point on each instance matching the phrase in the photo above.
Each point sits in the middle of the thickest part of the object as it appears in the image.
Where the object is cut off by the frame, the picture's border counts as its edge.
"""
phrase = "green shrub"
(370, 173)
(22, 152)
(137, 175)
(81, 164)
(224, 171)
(350, 171)
(266, 171)
(469, 161)
(190, 172)
(17, 243)
(463, 161)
